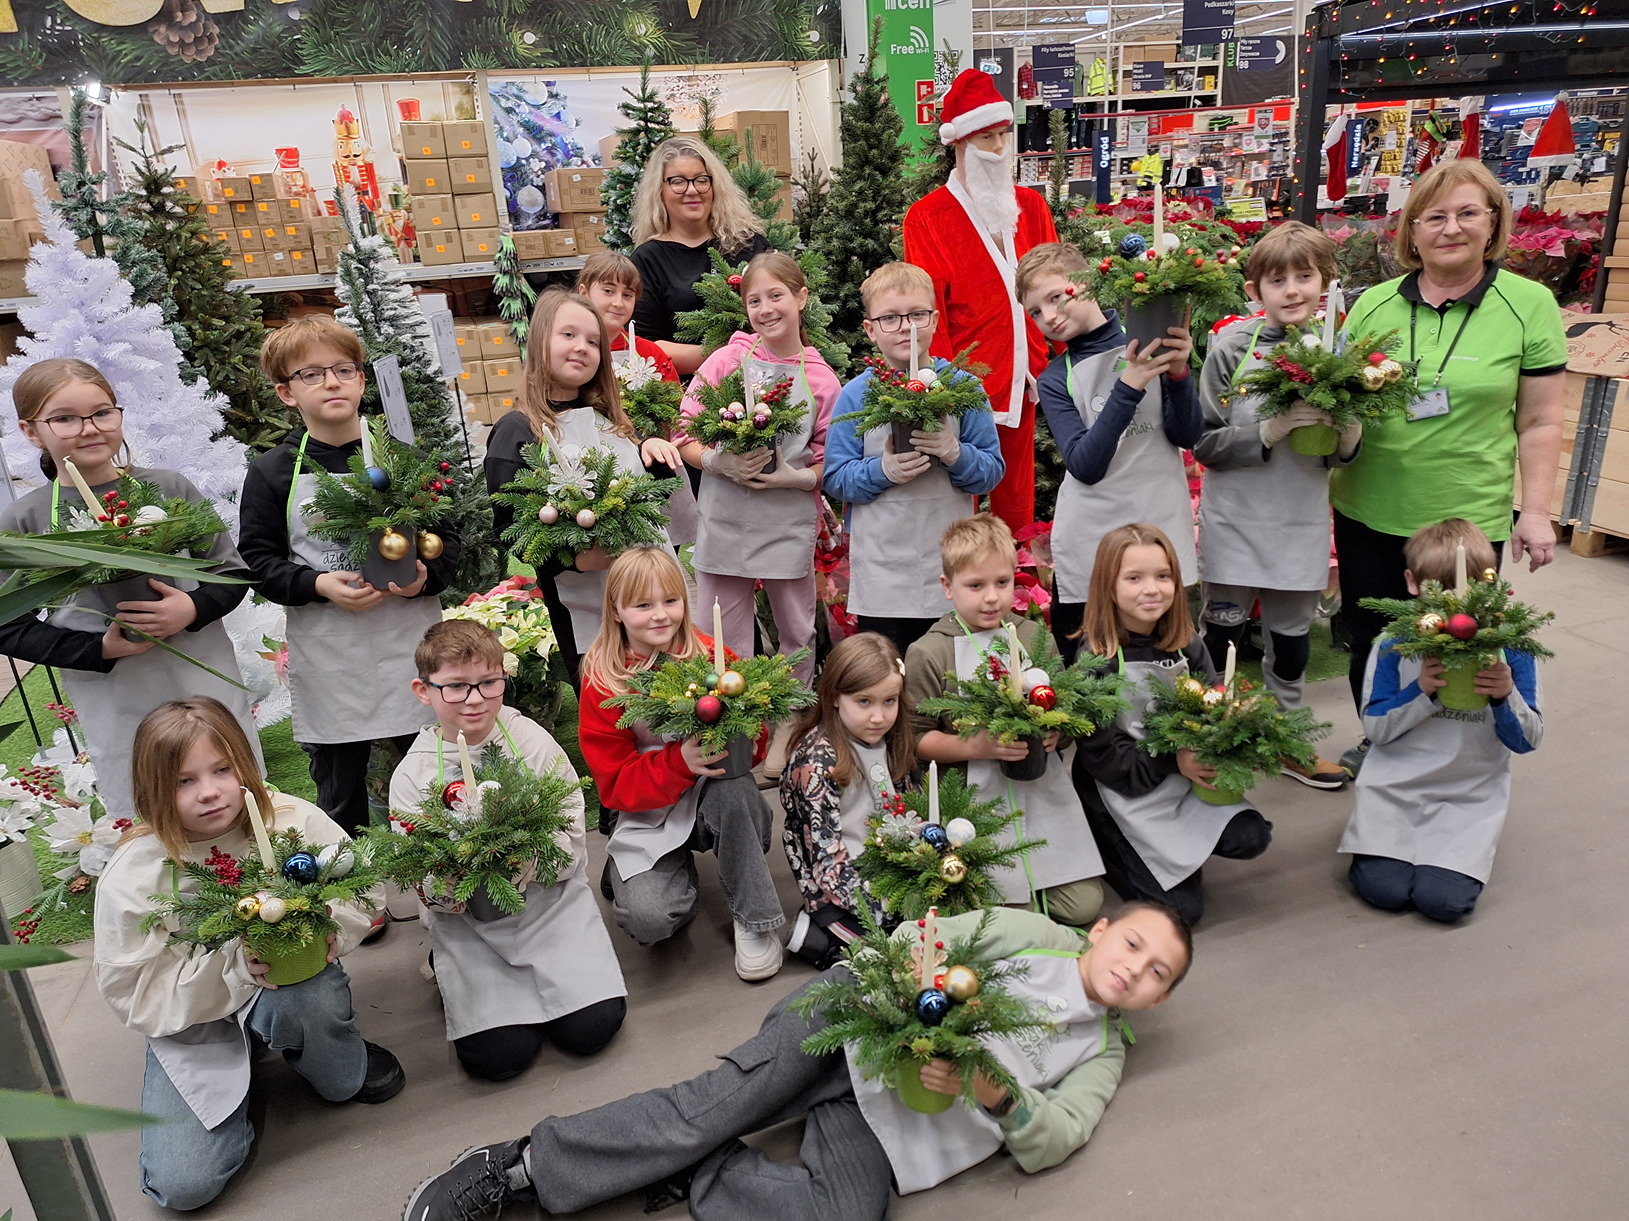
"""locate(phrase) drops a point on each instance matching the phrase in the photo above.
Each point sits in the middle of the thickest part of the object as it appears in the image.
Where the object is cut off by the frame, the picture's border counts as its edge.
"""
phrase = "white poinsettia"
(79, 519)
(90, 843)
(637, 372)
(79, 779)
(511, 663)
(16, 820)
(569, 474)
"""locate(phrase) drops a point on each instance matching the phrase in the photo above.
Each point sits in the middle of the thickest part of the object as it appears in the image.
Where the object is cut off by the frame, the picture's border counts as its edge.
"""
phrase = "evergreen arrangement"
(1462, 628)
(1032, 702)
(515, 294)
(137, 516)
(1128, 270)
(404, 493)
(909, 869)
(484, 833)
(1239, 730)
(723, 313)
(649, 123)
(569, 500)
(892, 1024)
(651, 401)
(695, 698)
(921, 399)
(725, 422)
(1353, 382)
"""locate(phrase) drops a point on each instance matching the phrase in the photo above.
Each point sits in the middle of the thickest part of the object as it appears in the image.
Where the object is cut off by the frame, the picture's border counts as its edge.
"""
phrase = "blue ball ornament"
(302, 869)
(1133, 244)
(379, 479)
(932, 1006)
(934, 835)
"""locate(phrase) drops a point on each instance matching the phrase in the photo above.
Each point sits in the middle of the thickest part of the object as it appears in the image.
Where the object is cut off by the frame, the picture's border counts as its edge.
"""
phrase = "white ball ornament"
(586, 519)
(960, 831)
(1312, 340)
(272, 909)
(926, 376)
(548, 515)
(337, 860)
(1170, 241)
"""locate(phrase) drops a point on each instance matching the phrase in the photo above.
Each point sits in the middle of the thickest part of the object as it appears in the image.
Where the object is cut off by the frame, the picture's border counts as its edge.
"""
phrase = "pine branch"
(416, 494)
(591, 500)
(1081, 698)
(666, 698)
(1424, 626)
(652, 402)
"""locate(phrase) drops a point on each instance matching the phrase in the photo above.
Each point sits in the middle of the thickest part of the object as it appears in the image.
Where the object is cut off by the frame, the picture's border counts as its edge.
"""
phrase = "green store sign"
(906, 54)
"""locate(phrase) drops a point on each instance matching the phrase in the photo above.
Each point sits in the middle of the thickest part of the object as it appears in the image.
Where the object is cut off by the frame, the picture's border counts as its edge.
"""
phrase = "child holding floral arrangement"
(204, 1006)
(113, 678)
(670, 791)
(904, 484)
(1451, 692)
(523, 957)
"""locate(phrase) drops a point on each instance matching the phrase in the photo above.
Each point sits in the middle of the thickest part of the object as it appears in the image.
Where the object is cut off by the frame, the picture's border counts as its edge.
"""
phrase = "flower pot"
(1315, 440)
(299, 965)
(1218, 797)
(482, 908)
(917, 1096)
(19, 878)
(380, 572)
(1147, 319)
(131, 589)
(902, 439)
(1032, 766)
(739, 761)
(1459, 693)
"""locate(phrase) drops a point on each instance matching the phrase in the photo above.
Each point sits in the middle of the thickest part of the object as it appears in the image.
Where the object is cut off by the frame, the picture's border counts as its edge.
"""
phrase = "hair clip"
(901, 664)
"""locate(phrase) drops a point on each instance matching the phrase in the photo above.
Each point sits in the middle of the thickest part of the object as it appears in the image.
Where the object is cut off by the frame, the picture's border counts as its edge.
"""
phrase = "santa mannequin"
(969, 235)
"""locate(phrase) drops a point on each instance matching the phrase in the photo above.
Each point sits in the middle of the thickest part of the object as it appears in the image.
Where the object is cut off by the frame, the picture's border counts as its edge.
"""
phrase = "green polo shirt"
(1411, 474)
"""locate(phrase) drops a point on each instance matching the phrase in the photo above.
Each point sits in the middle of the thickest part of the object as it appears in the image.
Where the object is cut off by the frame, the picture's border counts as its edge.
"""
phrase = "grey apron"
(1051, 807)
(1170, 827)
(895, 572)
(681, 506)
(349, 675)
(553, 958)
(111, 705)
(766, 534)
(858, 801)
(1146, 482)
(1264, 527)
(641, 839)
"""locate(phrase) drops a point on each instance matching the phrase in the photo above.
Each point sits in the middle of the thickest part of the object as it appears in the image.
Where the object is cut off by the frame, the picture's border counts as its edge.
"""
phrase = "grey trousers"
(734, 821)
(1286, 617)
(579, 1160)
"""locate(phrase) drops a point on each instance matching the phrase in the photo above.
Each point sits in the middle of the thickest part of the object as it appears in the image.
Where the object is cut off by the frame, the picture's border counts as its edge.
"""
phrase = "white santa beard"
(988, 177)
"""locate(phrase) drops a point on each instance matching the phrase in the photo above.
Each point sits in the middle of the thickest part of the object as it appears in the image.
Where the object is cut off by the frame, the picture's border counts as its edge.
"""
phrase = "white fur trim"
(971, 122)
(1332, 136)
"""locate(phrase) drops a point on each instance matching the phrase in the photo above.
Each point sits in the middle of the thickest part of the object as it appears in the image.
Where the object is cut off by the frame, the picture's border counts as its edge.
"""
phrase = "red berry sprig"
(1292, 370)
(25, 926)
(225, 867)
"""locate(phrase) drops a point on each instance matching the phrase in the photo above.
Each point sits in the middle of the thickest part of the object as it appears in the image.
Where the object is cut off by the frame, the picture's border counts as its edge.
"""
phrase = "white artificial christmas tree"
(82, 308)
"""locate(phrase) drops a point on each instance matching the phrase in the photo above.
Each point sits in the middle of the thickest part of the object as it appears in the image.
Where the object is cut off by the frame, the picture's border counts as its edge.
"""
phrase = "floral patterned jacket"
(812, 833)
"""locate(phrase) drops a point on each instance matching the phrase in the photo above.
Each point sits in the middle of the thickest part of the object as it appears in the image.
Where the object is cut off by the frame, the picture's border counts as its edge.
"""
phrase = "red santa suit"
(973, 291)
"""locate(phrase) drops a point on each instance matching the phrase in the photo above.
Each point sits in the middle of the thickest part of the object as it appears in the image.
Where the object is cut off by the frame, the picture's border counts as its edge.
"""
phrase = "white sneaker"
(757, 955)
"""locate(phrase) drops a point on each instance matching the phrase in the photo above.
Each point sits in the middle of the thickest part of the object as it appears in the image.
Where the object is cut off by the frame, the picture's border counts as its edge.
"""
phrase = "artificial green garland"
(591, 500)
(1240, 732)
(1356, 382)
(667, 696)
(418, 490)
(1431, 625)
(725, 422)
(1082, 697)
(921, 398)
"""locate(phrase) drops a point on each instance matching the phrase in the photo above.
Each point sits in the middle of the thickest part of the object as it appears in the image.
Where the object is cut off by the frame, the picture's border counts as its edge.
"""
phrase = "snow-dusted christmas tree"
(82, 308)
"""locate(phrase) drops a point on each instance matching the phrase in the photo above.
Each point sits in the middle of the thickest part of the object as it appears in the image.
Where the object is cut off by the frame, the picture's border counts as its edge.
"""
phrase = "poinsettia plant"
(515, 610)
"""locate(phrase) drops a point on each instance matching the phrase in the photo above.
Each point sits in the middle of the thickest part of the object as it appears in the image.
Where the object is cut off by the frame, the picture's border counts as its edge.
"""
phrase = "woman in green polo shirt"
(1490, 352)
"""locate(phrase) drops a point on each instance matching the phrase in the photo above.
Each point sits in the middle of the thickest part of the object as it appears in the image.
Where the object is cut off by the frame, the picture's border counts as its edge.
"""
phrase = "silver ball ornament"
(548, 515)
(960, 831)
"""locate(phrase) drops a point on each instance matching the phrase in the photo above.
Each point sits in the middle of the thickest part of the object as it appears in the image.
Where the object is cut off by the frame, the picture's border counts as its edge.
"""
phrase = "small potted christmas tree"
(570, 500)
(921, 400)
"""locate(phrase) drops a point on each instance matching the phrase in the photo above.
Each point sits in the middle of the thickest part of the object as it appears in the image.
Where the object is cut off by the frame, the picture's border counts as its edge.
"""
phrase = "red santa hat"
(1554, 146)
(973, 104)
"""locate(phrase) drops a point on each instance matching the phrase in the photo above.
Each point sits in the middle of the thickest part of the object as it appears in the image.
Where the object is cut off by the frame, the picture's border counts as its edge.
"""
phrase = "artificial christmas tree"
(1057, 195)
(515, 295)
(762, 189)
(812, 190)
(650, 122)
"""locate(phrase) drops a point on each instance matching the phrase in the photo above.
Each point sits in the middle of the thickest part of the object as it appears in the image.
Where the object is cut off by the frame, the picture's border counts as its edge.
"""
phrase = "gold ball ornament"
(1374, 378)
(1392, 369)
(952, 868)
(248, 907)
(731, 683)
(430, 545)
(1213, 697)
(1429, 624)
(1190, 686)
(961, 984)
(272, 909)
(393, 546)
(1490, 575)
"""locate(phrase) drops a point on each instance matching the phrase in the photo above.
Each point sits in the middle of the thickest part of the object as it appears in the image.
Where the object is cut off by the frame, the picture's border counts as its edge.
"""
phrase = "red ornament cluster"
(997, 670)
(63, 713)
(892, 803)
(39, 781)
(111, 504)
(1291, 370)
(224, 866)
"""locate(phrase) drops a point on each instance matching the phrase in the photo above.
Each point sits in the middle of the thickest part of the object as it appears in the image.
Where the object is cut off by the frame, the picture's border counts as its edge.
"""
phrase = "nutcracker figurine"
(351, 162)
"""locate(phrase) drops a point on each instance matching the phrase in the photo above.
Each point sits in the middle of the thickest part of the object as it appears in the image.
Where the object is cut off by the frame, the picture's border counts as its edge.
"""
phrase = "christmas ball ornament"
(1139, 276)
(710, 681)
(393, 546)
(1133, 244)
(1200, 262)
(1171, 241)
(708, 709)
(961, 984)
(926, 376)
(430, 545)
(1490, 575)
(1392, 369)
(586, 518)
(1069, 290)
(548, 515)
(1212, 698)
(734, 281)
(933, 835)
(336, 860)
(731, 683)
(1190, 685)
(302, 869)
(1377, 358)
(932, 1006)
(915, 387)
(960, 831)
(1429, 624)
(248, 907)
(273, 909)
(378, 478)
(1461, 626)
(453, 790)
(1105, 265)
(1044, 698)
(952, 869)
(1373, 378)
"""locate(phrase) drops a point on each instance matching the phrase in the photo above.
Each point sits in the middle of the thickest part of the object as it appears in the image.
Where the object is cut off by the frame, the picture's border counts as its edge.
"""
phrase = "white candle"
(1015, 666)
(268, 858)
(1232, 664)
(464, 764)
(1462, 577)
(1159, 218)
(930, 958)
(367, 444)
(933, 791)
(91, 503)
(746, 389)
(1332, 312)
(914, 365)
(718, 638)
(631, 346)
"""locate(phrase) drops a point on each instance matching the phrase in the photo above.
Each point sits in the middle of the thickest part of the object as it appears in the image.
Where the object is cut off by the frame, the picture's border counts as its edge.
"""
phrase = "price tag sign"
(441, 326)
(387, 372)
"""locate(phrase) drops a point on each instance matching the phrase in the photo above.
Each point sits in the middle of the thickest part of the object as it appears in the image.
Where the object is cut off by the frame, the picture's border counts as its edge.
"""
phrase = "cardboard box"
(532, 244)
(322, 223)
(267, 211)
(13, 241)
(228, 238)
(270, 236)
(480, 245)
(249, 238)
(254, 264)
(243, 211)
(434, 212)
(500, 405)
(574, 189)
(469, 342)
(301, 262)
(216, 215)
(427, 177)
(326, 258)
(608, 150)
(465, 138)
(12, 283)
(502, 374)
(301, 209)
(497, 341)
(262, 186)
(234, 189)
(768, 133)
(440, 247)
(277, 263)
(16, 159)
(476, 211)
(191, 184)
(424, 141)
(589, 239)
(473, 379)
(470, 175)
(296, 236)
(476, 410)
(562, 243)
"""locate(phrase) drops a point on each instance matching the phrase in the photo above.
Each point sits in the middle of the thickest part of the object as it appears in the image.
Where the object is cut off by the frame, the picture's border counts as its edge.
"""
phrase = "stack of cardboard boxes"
(19, 220)
(449, 174)
(262, 230)
(768, 133)
(491, 378)
(574, 195)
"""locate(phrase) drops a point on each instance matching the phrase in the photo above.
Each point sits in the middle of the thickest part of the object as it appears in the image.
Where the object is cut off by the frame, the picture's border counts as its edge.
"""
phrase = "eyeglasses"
(346, 371)
(66, 426)
(1436, 221)
(892, 322)
(678, 183)
(458, 693)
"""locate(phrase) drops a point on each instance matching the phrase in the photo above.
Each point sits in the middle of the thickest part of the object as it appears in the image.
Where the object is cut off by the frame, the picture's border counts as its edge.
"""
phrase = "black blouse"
(669, 271)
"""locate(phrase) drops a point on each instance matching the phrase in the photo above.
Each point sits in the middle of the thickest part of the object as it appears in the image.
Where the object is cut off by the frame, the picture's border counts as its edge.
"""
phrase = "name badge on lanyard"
(1432, 402)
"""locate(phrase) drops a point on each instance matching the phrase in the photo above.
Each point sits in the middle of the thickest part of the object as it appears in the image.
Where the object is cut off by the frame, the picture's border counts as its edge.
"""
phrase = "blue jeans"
(1437, 893)
(185, 1165)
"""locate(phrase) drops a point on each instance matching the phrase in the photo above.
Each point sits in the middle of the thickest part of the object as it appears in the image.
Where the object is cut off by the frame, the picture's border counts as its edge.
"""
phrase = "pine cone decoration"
(184, 29)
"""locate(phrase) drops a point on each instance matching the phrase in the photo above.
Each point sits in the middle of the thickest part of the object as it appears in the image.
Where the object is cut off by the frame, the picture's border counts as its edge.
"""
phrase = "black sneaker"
(1352, 760)
(477, 1185)
(385, 1076)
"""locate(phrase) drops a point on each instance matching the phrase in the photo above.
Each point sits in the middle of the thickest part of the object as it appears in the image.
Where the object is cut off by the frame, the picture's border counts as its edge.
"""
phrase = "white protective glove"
(739, 467)
(942, 443)
(1301, 415)
(901, 468)
(1351, 438)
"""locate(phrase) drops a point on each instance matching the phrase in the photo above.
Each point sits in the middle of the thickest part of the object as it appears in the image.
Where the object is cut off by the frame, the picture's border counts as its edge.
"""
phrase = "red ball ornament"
(1461, 626)
(1044, 698)
(1069, 290)
(734, 281)
(708, 709)
(1200, 262)
(916, 387)
(1105, 265)
(453, 791)
(1139, 276)
(1377, 358)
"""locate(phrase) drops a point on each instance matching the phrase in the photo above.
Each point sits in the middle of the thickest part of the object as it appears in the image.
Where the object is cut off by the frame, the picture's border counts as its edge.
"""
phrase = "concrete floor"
(1322, 1060)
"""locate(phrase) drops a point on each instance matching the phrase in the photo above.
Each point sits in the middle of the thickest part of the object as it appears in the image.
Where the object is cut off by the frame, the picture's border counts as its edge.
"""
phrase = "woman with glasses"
(686, 207)
(1489, 352)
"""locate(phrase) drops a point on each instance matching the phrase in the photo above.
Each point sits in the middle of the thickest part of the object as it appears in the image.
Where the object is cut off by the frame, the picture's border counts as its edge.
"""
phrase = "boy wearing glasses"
(895, 500)
(507, 982)
(350, 646)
